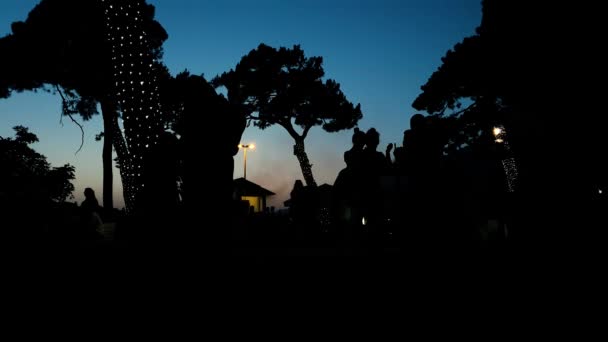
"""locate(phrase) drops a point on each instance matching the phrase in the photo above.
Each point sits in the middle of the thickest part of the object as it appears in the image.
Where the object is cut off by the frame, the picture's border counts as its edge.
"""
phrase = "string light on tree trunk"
(324, 217)
(135, 65)
(509, 164)
(300, 153)
(510, 168)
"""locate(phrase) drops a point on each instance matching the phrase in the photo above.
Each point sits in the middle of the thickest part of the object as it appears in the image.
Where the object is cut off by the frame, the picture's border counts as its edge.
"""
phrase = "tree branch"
(66, 112)
(464, 110)
(289, 127)
(306, 130)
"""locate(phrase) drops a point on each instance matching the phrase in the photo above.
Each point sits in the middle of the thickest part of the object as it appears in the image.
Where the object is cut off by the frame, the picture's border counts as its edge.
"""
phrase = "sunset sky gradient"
(380, 51)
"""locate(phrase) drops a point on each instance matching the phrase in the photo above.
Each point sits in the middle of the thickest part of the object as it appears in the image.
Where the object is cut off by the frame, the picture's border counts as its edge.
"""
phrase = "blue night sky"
(380, 51)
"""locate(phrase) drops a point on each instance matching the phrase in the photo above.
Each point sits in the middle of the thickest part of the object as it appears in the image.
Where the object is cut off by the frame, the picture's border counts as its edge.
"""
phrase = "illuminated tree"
(135, 83)
(284, 87)
(67, 44)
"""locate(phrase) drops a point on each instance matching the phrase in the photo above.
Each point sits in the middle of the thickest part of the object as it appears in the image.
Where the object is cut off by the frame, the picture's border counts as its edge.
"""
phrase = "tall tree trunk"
(120, 146)
(143, 125)
(108, 112)
(300, 152)
(113, 138)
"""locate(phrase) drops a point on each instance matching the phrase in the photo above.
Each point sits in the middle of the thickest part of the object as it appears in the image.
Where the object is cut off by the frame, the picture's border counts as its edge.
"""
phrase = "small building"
(252, 193)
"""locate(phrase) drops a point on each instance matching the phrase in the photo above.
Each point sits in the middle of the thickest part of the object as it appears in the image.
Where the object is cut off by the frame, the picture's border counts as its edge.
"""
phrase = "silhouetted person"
(375, 165)
(348, 191)
(354, 157)
(400, 162)
(373, 160)
(90, 203)
(90, 215)
(421, 157)
(297, 198)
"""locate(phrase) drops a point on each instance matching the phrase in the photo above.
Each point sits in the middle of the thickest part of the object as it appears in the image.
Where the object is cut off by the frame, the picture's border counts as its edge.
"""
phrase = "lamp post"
(499, 134)
(245, 148)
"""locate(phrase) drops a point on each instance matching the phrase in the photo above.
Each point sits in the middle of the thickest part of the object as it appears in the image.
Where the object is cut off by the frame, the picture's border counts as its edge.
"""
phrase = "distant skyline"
(381, 52)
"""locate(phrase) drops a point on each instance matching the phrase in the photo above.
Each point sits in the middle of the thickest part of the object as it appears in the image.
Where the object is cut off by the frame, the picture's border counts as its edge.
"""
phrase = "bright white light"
(364, 221)
(497, 131)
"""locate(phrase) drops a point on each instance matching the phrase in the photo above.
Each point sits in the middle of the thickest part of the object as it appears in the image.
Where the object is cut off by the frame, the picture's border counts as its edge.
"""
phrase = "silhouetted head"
(358, 137)
(372, 138)
(417, 121)
(89, 193)
(298, 185)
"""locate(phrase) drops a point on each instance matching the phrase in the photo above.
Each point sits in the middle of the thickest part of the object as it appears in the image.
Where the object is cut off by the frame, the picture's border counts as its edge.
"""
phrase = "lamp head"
(497, 131)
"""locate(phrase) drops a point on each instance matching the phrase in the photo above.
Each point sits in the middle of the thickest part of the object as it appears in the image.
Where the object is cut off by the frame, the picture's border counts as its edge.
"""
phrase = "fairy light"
(130, 54)
(509, 164)
(510, 168)
(324, 217)
(300, 153)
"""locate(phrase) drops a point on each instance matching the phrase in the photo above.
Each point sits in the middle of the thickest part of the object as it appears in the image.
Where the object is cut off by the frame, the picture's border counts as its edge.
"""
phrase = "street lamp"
(499, 134)
(245, 148)
(509, 164)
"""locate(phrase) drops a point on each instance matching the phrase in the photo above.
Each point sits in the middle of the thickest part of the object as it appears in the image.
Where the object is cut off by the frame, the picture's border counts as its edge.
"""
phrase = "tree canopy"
(63, 42)
(26, 173)
(284, 87)
(533, 68)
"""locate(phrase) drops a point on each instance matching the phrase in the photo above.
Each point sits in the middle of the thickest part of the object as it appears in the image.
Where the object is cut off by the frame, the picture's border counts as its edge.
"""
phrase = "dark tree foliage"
(284, 87)
(27, 176)
(190, 104)
(533, 68)
(209, 129)
(520, 68)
